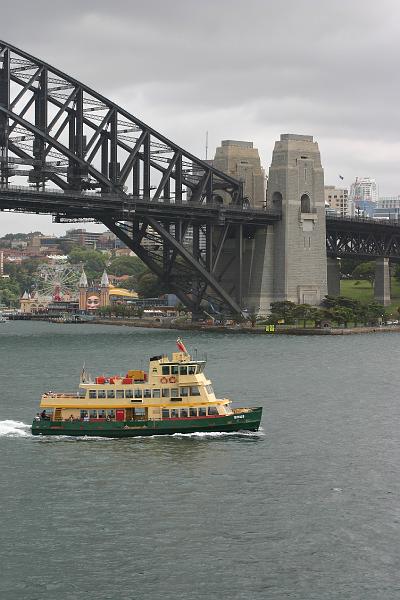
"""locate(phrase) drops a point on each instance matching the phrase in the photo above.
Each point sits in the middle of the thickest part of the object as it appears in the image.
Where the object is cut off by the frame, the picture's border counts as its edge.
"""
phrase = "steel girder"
(64, 128)
(56, 131)
(364, 238)
(186, 264)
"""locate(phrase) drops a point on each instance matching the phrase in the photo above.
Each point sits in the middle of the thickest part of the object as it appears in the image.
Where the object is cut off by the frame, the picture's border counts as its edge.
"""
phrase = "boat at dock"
(174, 396)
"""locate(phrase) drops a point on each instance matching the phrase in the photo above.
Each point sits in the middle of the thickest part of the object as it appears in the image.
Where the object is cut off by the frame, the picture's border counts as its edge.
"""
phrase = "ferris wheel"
(60, 282)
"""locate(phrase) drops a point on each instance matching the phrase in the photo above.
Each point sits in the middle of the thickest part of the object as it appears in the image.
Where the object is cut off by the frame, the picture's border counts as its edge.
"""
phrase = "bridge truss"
(103, 163)
(362, 238)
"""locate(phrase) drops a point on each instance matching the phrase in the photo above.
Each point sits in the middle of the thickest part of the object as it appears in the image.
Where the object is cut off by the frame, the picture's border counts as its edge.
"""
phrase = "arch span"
(57, 132)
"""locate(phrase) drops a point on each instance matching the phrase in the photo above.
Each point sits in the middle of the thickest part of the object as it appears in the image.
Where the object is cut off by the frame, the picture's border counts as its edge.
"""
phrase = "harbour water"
(308, 508)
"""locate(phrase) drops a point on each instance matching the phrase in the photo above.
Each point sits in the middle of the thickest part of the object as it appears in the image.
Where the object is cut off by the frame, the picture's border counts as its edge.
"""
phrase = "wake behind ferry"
(175, 396)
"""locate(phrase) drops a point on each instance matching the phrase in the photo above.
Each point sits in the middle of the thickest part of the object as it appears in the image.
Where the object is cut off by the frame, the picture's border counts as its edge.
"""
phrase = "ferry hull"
(245, 421)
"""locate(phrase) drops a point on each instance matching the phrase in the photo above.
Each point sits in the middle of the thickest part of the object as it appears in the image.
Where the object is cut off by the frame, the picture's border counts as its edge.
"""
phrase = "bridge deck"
(96, 205)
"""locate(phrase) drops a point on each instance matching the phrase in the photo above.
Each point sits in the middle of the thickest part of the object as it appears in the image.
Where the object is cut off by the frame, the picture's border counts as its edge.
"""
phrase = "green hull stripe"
(238, 422)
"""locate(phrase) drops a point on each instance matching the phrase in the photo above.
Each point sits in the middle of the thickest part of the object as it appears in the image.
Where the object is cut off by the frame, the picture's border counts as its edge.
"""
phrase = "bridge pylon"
(382, 281)
(294, 249)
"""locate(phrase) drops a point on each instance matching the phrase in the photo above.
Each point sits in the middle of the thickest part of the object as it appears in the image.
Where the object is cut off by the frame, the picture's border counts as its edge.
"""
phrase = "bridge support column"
(382, 281)
(296, 185)
(333, 272)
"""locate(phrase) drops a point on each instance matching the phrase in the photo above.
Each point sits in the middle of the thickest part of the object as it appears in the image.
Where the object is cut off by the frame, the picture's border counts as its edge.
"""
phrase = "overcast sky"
(239, 70)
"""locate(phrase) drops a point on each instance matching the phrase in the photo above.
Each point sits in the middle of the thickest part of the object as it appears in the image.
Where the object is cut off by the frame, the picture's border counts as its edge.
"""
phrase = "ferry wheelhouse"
(175, 396)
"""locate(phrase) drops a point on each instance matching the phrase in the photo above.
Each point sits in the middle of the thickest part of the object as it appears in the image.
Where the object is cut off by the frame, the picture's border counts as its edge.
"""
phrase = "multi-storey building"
(105, 240)
(364, 189)
(388, 207)
(338, 200)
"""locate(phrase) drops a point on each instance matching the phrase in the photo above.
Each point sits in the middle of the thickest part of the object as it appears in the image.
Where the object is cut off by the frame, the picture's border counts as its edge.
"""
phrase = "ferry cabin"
(173, 389)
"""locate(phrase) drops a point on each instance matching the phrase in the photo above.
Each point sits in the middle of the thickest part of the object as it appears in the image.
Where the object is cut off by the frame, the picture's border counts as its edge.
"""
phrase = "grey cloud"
(252, 69)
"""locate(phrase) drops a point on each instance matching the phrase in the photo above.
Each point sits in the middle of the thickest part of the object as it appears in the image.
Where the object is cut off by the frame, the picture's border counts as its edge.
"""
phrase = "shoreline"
(248, 330)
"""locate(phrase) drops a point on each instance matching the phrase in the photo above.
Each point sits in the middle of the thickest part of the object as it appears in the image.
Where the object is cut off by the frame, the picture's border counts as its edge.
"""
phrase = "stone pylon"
(242, 161)
(382, 281)
(289, 261)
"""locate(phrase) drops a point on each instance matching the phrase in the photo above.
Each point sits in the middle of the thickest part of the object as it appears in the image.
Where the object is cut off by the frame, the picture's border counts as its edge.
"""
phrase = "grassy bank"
(364, 292)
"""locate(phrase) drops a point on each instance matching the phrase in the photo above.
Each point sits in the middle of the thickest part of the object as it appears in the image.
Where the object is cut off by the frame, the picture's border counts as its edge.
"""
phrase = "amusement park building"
(92, 298)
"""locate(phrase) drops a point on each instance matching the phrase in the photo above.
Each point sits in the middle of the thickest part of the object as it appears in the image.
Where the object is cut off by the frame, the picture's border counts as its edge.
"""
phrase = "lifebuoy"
(172, 379)
(163, 380)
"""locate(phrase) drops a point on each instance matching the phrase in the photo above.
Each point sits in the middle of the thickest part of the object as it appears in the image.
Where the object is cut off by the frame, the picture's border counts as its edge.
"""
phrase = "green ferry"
(175, 396)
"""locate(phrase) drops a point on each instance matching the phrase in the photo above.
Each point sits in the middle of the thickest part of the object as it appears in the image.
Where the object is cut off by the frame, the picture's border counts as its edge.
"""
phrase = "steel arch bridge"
(362, 238)
(70, 152)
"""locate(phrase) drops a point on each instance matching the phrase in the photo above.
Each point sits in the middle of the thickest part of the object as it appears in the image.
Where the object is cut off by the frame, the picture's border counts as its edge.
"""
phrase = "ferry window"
(93, 413)
(184, 412)
(110, 393)
(183, 370)
(194, 391)
(202, 412)
(138, 393)
(120, 393)
(92, 394)
(156, 393)
(174, 369)
(212, 410)
(200, 368)
(102, 414)
(101, 393)
(165, 370)
(177, 399)
(174, 392)
(209, 389)
(165, 392)
(174, 413)
(165, 413)
(82, 393)
(191, 369)
(128, 393)
(184, 391)
(83, 414)
(111, 413)
(147, 394)
(193, 412)
(140, 413)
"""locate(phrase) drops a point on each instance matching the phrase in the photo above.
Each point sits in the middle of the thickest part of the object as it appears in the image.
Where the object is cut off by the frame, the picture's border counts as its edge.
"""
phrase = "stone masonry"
(289, 258)
(242, 161)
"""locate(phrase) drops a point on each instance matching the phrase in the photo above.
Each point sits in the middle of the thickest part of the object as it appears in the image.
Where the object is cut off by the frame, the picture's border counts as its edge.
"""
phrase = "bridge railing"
(129, 200)
(355, 219)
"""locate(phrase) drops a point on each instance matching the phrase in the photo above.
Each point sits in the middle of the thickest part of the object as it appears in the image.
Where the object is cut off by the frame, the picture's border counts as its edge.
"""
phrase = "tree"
(65, 246)
(306, 312)
(397, 271)
(274, 319)
(8, 297)
(365, 270)
(347, 265)
(330, 301)
(104, 311)
(342, 315)
(126, 265)
(375, 312)
(149, 286)
(93, 261)
(253, 316)
(284, 310)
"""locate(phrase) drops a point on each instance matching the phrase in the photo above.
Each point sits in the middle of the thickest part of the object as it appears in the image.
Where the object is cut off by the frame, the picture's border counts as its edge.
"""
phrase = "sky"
(239, 70)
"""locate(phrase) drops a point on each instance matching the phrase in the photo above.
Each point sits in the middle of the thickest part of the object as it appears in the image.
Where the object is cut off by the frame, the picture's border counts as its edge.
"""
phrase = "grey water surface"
(309, 508)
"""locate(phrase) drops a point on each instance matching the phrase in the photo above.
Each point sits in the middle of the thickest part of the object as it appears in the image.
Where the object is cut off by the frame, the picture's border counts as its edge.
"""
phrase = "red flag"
(181, 346)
